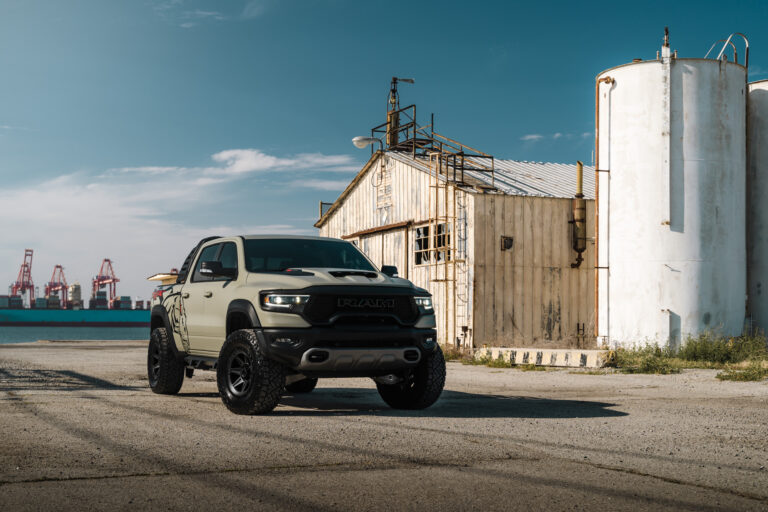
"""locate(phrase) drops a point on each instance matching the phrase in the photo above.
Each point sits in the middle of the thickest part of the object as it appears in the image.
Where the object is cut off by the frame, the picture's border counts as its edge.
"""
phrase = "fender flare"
(158, 311)
(246, 308)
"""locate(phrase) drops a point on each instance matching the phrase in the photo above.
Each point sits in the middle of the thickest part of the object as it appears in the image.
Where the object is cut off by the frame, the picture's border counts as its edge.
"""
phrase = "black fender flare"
(245, 307)
(158, 311)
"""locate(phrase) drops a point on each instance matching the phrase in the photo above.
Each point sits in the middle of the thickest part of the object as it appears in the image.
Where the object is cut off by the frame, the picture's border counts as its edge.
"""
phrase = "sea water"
(13, 334)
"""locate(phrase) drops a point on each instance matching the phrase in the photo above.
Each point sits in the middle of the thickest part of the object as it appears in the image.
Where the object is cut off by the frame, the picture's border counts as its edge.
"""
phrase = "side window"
(207, 254)
(228, 256)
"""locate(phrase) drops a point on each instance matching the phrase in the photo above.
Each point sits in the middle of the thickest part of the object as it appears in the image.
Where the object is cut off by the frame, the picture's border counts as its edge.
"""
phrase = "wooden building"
(491, 239)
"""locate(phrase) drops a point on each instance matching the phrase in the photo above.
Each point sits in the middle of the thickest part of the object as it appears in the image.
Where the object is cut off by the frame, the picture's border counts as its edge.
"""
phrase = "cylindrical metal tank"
(671, 150)
(757, 205)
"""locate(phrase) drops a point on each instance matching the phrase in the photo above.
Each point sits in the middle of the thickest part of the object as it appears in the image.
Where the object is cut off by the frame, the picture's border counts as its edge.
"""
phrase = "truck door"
(222, 290)
(193, 296)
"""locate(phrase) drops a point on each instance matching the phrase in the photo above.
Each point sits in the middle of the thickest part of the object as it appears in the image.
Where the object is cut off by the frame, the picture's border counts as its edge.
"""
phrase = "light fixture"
(361, 142)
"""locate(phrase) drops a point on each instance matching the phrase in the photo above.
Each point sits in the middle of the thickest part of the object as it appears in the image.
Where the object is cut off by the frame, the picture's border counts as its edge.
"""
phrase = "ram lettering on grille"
(352, 302)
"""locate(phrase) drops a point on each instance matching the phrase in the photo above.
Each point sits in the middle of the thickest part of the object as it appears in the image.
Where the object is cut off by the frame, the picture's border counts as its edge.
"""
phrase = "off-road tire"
(302, 386)
(164, 370)
(248, 382)
(420, 388)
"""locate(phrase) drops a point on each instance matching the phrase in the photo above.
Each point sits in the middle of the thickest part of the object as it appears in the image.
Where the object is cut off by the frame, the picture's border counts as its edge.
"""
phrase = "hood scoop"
(361, 273)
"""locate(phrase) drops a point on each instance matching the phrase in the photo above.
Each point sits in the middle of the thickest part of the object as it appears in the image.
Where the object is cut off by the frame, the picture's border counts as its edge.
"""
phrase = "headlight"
(424, 304)
(283, 302)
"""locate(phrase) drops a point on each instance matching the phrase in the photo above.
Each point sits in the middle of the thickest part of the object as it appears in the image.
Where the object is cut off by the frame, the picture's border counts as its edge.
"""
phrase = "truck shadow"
(452, 404)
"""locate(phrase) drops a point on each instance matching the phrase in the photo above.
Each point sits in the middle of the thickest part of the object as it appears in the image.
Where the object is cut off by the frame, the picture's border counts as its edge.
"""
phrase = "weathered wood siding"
(394, 192)
(530, 295)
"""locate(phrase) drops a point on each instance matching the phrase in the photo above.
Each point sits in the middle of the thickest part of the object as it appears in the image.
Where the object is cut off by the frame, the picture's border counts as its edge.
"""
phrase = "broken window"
(443, 242)
(422, 245)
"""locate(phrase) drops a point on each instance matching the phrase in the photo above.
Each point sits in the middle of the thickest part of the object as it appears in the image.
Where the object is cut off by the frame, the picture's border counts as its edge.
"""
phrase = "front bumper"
(359, 352)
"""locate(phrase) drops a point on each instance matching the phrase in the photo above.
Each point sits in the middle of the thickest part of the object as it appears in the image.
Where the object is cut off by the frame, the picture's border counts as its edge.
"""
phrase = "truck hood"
(294, 279)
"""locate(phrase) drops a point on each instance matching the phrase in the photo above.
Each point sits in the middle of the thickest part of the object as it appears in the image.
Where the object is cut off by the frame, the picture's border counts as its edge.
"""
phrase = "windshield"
(274, 255)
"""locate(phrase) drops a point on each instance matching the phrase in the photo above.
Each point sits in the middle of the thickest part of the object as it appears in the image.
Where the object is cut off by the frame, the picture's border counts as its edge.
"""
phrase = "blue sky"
(130, 129)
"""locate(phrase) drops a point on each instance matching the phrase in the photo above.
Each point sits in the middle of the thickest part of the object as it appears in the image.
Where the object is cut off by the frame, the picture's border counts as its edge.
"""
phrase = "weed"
(704, 351)
(708, 347)
(453, 354)
(755, 371)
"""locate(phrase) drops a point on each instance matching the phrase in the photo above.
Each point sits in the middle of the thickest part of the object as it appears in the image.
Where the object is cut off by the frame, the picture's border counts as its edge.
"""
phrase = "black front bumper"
(371, 348)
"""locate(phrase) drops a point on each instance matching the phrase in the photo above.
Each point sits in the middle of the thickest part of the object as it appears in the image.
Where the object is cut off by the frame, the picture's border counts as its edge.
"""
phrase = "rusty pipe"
(607, 80)
(579, 178)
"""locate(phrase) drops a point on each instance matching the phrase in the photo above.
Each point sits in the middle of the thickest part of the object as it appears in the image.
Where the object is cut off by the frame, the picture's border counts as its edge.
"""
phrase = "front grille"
(322, 309)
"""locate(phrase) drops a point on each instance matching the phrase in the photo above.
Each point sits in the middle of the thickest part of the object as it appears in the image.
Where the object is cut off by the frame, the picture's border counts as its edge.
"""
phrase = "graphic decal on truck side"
(177, 316)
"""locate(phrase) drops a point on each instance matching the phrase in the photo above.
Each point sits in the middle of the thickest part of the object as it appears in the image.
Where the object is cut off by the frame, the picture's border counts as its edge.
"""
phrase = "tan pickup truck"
(275, 313)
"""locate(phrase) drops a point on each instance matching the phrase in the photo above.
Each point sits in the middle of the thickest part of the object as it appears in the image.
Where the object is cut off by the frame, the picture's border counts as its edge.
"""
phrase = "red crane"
(24, 281)
(105, 277)
(58, 283)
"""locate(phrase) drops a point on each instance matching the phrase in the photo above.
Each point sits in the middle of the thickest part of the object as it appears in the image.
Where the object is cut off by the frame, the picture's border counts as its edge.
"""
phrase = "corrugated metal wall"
(530, 295)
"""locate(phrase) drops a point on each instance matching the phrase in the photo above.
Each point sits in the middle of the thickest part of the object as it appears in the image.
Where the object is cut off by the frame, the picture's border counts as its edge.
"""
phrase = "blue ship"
(75, 317)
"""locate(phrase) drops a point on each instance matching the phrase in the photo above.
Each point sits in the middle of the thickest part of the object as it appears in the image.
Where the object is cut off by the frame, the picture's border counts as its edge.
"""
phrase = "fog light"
(291, 342)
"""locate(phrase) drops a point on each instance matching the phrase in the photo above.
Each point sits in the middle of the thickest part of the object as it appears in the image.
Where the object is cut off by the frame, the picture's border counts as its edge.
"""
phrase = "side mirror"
(214, 269)
(389, 270)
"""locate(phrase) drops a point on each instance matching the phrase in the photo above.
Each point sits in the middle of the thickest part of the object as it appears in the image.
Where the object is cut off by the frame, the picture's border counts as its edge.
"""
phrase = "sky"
(130, 129)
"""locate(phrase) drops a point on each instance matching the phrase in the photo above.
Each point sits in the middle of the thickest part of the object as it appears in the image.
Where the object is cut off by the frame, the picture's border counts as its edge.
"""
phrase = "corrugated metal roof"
(519, 178)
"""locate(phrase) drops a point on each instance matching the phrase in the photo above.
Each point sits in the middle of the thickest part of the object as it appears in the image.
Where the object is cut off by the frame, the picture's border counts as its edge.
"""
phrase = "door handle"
(185, 295)
(208, 294)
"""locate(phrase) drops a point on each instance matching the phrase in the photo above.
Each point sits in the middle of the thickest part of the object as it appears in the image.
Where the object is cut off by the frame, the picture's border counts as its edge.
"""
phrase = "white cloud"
(557, 135)
(253, 9)
(531, 137)
(321, 184)
(585, 135)
(234, 163)
(139, 216)
(149, 169)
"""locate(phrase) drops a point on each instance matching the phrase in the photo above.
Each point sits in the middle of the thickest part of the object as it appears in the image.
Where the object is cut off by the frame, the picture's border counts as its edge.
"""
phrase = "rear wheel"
(248, 382)
(302, 386)
(419, 388)
(164, 370)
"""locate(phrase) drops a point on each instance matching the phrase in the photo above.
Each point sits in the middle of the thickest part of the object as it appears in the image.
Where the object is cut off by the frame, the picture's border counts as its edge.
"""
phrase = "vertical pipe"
(607, 80)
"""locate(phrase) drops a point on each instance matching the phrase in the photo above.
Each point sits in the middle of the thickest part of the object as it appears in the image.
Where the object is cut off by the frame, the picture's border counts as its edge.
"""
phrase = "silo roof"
(521, 178)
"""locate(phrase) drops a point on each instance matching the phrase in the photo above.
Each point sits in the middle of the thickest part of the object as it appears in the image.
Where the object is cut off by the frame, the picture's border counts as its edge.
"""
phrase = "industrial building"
(678, 233)
(494, 241)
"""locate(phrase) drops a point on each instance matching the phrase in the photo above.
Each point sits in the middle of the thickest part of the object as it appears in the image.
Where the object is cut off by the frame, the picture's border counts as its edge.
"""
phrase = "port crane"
(24, 282)
(58, 285)
(105, 278)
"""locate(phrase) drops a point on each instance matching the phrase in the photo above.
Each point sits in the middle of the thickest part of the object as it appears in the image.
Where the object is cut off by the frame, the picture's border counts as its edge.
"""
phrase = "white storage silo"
(757, 212)
(671, 231)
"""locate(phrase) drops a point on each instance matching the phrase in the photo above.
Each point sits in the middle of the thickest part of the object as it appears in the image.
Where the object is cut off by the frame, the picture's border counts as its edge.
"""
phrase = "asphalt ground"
(82, 431)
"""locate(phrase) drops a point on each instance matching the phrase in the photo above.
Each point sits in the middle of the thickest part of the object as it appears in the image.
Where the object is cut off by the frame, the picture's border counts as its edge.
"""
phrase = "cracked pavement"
(81, 430)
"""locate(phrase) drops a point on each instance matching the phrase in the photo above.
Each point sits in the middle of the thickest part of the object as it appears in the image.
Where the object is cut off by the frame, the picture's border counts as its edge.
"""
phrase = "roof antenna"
(666, 37)
(393, 111)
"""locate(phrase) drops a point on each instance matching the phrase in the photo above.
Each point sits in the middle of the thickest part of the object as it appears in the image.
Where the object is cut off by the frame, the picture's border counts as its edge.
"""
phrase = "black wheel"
(165, 371)
(248, 382)
(302, 386)
(420, 387)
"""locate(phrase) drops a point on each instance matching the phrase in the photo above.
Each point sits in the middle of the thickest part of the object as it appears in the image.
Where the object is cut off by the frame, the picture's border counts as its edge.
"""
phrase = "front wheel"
(164, 370)
(420, 388)
(248, 382)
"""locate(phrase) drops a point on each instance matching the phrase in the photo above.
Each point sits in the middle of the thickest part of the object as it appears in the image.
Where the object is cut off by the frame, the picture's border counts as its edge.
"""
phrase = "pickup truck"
(273, 314)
